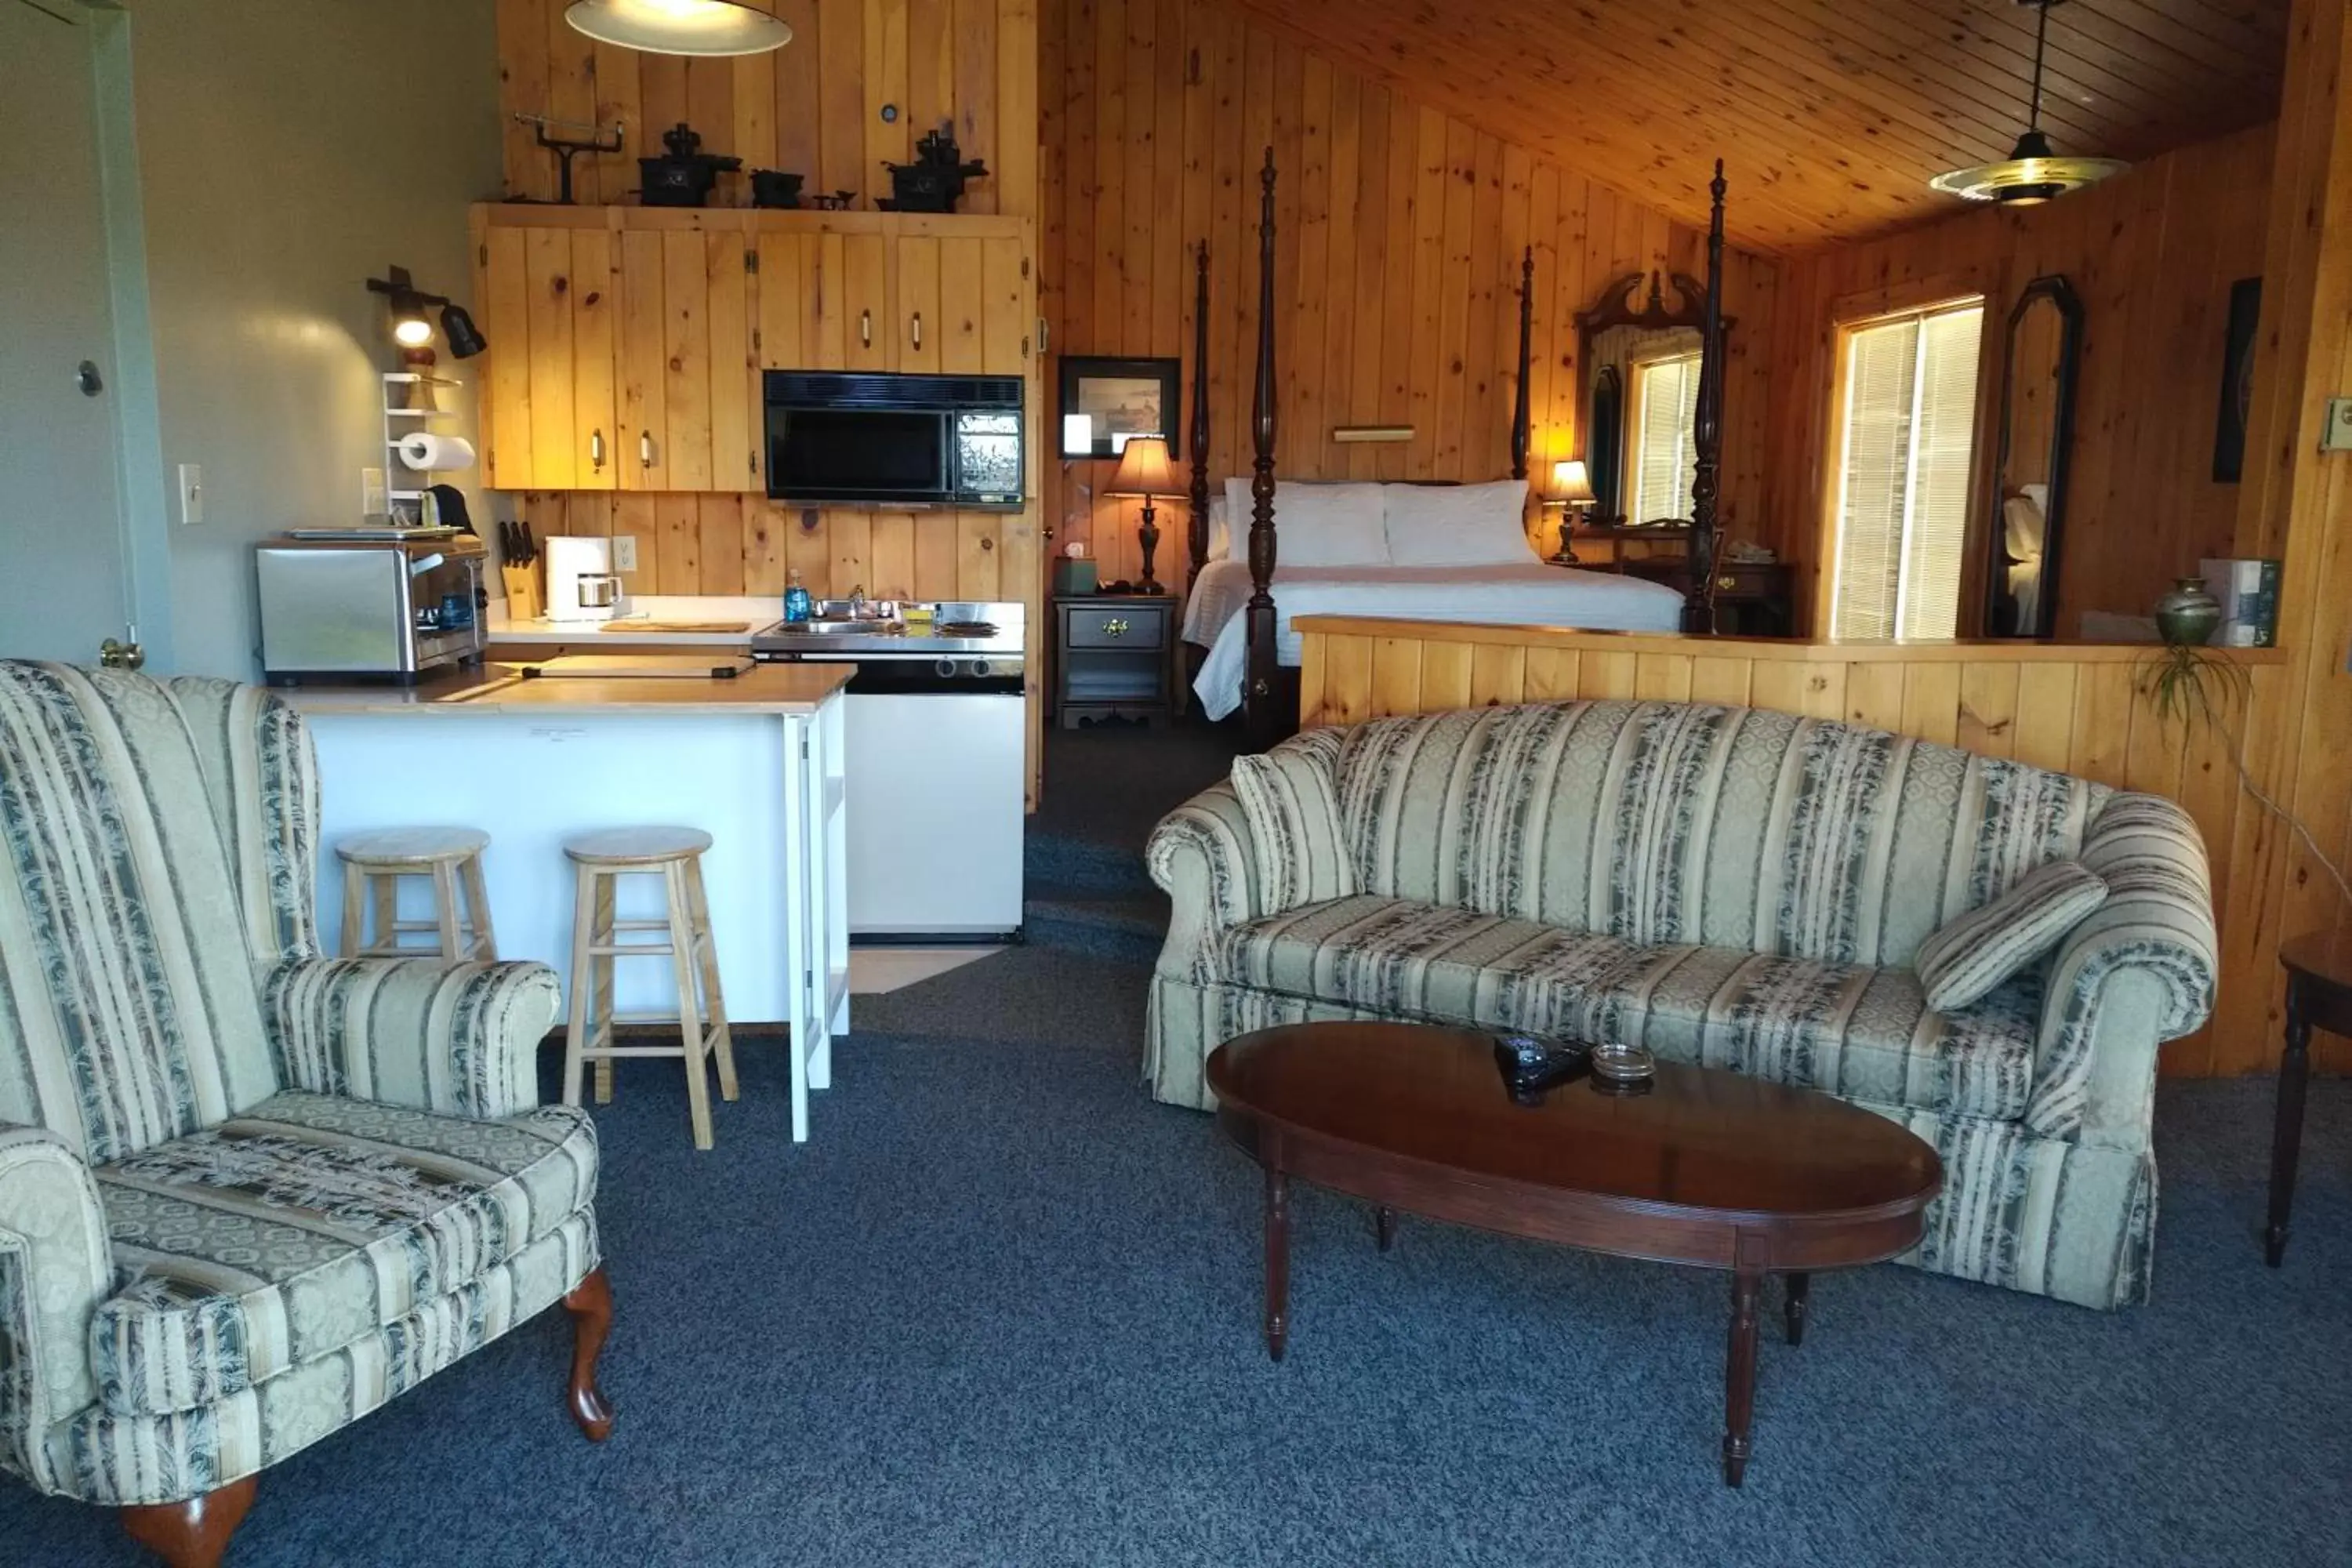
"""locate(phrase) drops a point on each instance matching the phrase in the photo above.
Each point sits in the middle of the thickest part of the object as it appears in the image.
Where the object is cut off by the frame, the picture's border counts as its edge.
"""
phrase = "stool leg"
(714, 1004)
(689, 1023)
(354, 911)
(583, 982)
(384, 893)
(602, 972)
(477, 911)
(445, 911)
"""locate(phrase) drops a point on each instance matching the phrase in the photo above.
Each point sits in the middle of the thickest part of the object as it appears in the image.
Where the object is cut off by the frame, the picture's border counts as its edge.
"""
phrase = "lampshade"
(1144, 469)
(679, 26)
(1570, 482)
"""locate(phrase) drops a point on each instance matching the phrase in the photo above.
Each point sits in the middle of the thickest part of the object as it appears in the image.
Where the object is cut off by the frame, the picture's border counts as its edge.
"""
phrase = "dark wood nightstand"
(1117, 658)
(1752, 599)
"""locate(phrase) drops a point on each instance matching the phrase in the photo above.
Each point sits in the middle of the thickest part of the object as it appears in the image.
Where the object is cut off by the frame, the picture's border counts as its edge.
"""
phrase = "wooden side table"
(2318, 996)
(1118, 658)
(1756, 598)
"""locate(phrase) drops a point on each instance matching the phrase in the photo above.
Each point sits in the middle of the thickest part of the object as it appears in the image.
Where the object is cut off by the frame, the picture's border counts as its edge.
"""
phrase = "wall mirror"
(2037, 417)
(1637, 400)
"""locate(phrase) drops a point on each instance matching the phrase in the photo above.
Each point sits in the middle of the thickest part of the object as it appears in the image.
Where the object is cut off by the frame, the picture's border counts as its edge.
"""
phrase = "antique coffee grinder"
(683, 177)
(934, 182)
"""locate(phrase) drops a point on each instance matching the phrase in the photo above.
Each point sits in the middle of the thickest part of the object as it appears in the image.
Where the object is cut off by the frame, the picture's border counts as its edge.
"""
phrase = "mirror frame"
(2053, 287)
(1616, 308)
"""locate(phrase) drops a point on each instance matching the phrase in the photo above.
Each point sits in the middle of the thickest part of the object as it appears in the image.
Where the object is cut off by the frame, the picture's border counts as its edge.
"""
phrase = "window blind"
(1909, 433)
(1665, 460)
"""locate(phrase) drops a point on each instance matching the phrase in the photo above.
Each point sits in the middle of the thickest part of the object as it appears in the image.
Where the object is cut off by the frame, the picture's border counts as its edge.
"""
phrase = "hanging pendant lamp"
(679, 26)
(2032, 173)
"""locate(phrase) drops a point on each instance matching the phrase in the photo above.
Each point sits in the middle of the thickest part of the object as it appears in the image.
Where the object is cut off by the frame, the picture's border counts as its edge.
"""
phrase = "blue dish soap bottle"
(798, 607)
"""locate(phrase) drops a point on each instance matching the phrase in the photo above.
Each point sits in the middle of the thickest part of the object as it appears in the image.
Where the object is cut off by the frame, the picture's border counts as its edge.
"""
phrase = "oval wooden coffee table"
(1709, 1168)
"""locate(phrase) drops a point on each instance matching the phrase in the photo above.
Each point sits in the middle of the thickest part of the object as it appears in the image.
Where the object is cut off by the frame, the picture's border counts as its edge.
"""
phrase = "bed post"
(1260, 720)
(1522, 414)
(1707, 430)
(1198, 534)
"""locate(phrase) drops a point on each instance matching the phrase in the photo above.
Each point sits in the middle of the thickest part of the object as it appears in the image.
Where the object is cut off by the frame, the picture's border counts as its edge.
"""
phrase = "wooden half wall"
(2072, 708)
(815, 107)
(1398, 236)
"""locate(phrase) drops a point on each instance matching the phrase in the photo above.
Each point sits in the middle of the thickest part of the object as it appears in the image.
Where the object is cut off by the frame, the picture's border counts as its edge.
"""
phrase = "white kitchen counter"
(756, 761)
(756, 614)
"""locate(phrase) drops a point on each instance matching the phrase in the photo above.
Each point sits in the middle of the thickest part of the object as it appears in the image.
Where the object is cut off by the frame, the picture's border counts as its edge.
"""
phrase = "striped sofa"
(248, 1194)
(1743, 888)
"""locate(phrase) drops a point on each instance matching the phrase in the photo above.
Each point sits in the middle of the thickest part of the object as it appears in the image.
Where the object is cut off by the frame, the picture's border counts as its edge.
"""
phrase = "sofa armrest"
(2137, 972)
(55, 1267)
(1201, 857)
(458, 1039)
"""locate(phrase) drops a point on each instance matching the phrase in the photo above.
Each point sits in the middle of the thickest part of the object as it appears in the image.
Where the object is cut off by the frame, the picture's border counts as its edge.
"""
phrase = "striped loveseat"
(1733, 887)
(248, 1194)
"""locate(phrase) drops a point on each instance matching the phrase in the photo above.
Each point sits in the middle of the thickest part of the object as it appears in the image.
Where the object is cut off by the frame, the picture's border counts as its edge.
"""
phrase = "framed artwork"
(2237, 381)
(1106, 402)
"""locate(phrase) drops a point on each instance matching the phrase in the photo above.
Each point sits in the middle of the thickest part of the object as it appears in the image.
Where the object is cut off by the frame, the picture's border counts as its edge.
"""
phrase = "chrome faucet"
(857, 603)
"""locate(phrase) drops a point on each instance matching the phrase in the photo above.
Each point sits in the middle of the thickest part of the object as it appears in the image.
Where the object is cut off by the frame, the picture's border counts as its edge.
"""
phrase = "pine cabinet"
(627, 346)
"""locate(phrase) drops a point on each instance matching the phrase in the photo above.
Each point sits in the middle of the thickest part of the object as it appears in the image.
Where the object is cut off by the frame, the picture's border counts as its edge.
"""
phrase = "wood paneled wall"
(815, 106)
(1399, 232)
(2069, 709)
(2152, 252)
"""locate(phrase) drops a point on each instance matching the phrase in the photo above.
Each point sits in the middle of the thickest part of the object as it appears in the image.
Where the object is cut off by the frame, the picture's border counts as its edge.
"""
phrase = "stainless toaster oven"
(369, 608)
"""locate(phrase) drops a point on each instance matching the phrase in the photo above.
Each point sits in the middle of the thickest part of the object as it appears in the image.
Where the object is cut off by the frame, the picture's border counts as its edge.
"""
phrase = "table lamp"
(1571, 491)
(1144, 470)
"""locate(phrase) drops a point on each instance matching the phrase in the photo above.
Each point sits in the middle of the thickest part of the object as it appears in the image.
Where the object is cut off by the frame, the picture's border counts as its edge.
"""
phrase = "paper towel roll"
(441, 454)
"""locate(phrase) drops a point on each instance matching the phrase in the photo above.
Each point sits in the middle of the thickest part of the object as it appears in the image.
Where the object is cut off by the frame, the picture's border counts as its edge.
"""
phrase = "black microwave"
(895, 440)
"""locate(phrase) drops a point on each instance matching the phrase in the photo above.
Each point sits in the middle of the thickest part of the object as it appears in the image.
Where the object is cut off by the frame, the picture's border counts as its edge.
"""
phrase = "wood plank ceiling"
(1831, 116)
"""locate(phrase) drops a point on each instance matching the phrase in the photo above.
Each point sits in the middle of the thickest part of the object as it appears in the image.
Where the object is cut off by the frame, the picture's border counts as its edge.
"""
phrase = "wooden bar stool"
(675, 855)
(451, 858)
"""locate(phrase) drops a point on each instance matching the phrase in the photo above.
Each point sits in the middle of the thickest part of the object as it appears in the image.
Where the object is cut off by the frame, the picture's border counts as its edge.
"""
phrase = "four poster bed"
(1433, 552)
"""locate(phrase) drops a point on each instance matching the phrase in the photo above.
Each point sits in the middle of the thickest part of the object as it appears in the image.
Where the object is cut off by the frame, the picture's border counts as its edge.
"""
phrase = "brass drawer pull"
(1727, 582)
(1114, 627)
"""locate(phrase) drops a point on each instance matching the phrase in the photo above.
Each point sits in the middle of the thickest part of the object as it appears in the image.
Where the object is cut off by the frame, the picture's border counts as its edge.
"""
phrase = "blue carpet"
(1003, 1310)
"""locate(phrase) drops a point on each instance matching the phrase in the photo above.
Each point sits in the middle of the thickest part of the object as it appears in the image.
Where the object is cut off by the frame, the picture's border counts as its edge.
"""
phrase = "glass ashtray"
(1623, 1064)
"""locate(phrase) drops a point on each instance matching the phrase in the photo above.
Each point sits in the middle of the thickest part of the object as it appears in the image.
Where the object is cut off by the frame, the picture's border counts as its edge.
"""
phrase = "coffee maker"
(580, 583)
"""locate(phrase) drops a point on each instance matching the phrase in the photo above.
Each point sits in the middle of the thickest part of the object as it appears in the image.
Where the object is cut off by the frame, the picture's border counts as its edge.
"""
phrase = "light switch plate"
(192, 494)
(625, 552)
(2338, 437)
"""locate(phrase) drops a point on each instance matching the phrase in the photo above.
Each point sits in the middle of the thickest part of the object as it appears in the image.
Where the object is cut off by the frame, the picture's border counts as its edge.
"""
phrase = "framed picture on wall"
(2237, 380)
(1106, 402)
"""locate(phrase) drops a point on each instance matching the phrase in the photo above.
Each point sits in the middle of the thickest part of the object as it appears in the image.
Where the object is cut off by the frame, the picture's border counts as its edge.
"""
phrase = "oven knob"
(979, 669)
(944, 668)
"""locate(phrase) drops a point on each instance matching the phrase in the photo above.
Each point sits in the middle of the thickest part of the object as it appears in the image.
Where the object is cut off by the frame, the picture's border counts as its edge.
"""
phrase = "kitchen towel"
(425, 452)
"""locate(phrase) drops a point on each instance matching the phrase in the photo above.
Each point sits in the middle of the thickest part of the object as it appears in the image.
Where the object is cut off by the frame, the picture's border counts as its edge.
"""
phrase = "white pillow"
(1458, 525)
(1314, 525)
(1221, 543)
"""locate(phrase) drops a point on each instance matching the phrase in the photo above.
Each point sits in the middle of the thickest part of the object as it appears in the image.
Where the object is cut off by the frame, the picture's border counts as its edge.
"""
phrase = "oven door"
(892, 457)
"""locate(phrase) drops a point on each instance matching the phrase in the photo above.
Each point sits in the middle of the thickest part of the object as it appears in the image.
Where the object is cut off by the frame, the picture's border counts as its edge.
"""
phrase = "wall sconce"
(412, 324)
(1371, 433)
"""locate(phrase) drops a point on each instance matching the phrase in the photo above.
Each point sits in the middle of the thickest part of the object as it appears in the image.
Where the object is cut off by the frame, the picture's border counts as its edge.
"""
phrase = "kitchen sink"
(819, 628)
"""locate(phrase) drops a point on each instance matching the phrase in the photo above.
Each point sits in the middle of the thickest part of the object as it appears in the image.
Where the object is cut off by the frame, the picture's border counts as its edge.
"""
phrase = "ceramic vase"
(2189, 614)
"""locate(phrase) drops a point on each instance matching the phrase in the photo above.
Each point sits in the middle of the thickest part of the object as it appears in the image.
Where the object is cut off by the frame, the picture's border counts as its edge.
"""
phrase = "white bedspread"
(1532, 594)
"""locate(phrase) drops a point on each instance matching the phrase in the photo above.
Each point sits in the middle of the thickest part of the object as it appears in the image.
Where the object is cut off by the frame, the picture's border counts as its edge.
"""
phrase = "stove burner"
(964, 629)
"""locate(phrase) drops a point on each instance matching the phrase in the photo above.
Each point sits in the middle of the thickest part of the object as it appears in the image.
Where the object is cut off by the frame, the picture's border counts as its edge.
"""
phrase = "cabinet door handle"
(919, 329)
(646, 449)
(866, 327)
(596, 447)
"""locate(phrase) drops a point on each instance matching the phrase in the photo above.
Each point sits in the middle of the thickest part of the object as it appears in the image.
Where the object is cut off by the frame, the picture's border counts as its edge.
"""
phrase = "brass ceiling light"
(705, 28)
(2031, 173)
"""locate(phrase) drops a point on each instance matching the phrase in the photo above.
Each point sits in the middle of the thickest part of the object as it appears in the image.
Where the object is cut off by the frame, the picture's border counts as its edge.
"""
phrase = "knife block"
(525, 601)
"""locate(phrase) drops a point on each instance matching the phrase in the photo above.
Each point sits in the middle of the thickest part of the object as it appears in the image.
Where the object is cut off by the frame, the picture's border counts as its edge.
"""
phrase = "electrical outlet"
(375, 498)
(192, 494)
(625, 552)
(2337, 435)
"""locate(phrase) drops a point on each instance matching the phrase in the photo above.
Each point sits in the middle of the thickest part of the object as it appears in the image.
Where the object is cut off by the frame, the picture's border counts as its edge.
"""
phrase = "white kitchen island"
(755, 761)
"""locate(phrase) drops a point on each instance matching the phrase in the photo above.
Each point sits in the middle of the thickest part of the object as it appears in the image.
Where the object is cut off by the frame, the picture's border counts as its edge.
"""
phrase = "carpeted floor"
(1002, 1310)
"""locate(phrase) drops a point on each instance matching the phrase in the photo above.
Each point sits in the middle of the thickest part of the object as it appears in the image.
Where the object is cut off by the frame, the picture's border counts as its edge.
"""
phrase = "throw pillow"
(1290, 798)
(1969, 954)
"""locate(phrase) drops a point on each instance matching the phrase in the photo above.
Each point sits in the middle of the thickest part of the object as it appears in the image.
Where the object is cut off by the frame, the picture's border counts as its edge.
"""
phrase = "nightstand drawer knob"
(1114, 627)
(1727, 582)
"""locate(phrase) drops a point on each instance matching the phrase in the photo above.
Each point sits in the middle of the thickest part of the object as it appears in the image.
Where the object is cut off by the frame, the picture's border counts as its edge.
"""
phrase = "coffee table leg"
(1386, 1224)
(1277, 1261)
(2286, 1137)
(1739, 1376)
(1799, 1287)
